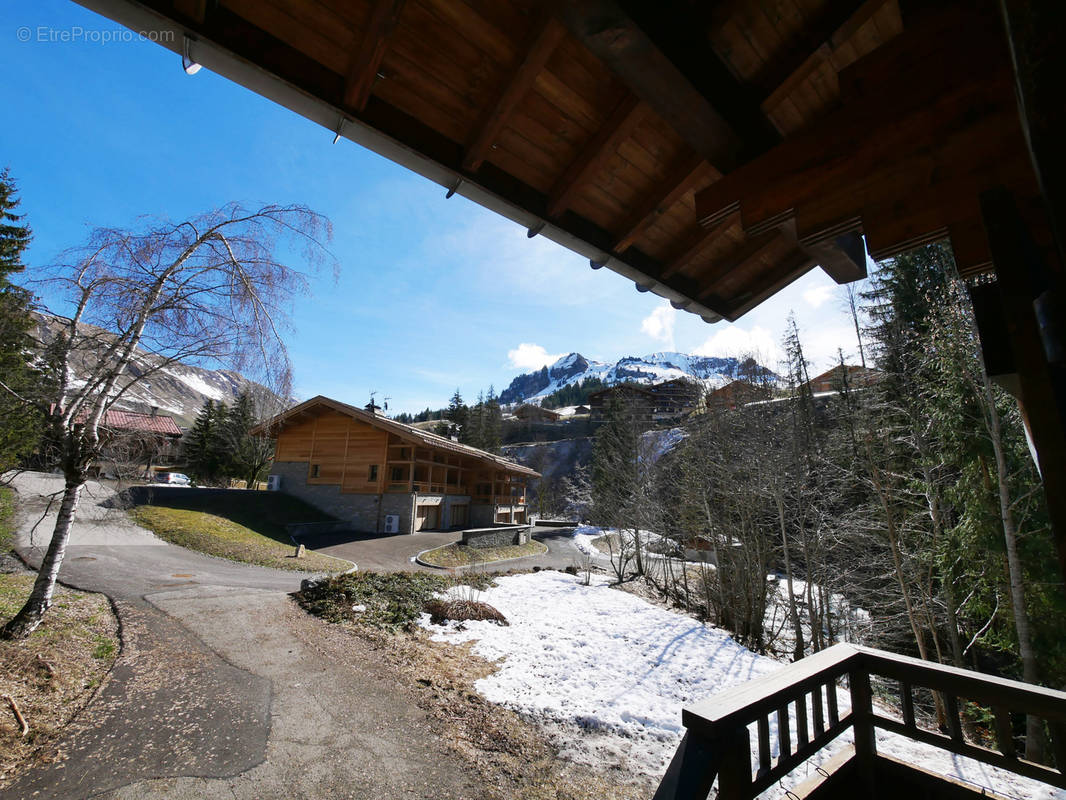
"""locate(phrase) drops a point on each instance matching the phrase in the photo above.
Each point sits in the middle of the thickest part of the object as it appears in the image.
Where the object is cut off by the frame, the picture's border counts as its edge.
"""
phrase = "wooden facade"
(332, 446)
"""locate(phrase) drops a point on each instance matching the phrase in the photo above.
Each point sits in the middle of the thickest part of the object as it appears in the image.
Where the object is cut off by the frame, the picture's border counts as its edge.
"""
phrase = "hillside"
(653, 368)
(178, 390)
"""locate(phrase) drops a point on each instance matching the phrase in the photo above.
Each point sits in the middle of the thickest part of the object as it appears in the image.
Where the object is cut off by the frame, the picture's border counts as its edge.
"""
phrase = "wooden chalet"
(386, 477)
(852, 376)
(736, 394)
(133, 443)
(528, 412)
(676, 399)
(712, 153)
(636, 399)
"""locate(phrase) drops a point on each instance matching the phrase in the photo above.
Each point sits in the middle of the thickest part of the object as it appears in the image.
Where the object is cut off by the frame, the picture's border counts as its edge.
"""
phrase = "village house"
(637, 400)
(736, 394)
(386, 477)
(132, 444)
(850, 375)
(676, 399)
(531, 413)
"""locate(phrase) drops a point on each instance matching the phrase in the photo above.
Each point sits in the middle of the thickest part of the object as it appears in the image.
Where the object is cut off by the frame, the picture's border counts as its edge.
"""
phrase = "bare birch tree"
(213, 290)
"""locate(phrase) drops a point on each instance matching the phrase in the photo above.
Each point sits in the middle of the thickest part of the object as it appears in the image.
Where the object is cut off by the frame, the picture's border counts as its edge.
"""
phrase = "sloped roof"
(149, 423)
(406, 432)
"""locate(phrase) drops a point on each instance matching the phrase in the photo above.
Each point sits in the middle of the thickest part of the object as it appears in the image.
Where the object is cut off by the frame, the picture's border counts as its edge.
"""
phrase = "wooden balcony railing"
(717, 743)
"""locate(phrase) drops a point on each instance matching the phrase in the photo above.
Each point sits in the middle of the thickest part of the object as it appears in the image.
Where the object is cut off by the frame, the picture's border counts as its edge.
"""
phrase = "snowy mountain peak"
(574, 368)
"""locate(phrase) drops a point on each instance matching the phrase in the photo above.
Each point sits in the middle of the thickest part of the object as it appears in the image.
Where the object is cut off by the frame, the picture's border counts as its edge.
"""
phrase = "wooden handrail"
(718, 742)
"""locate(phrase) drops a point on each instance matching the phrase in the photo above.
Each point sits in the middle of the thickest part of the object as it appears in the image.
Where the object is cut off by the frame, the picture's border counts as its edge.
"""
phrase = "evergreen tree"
(204, 446)
(492, 423)
(21, 424)
(246, 457)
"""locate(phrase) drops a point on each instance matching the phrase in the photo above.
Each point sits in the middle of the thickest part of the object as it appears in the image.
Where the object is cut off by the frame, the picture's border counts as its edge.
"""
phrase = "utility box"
(273, 483)
(392, 523)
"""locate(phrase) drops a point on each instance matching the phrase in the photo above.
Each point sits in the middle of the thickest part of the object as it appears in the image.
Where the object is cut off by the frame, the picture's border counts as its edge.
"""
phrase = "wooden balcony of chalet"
(805, 708)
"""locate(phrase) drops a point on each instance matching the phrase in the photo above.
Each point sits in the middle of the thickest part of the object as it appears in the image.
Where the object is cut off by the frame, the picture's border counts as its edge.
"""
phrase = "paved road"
(223, 687)
(394, 553)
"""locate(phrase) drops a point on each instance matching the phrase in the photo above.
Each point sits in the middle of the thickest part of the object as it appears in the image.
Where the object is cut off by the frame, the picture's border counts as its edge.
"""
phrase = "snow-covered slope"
(178, 390)
(653, 368)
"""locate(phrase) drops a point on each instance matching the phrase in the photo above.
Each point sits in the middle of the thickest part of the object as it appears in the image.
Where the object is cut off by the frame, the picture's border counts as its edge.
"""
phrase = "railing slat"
(785, 766)
(1058, 744)
(951, 706)
(907, 696)
(765, 759)
(784, 735)
(1004, 732)
(819, 716)
(802, 734)
(862, 715)
(831, 701)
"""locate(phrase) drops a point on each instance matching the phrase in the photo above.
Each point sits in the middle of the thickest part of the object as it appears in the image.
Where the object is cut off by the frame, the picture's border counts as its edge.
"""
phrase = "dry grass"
(218, 536)
(52, 674)
(462, 610)
(458, 555)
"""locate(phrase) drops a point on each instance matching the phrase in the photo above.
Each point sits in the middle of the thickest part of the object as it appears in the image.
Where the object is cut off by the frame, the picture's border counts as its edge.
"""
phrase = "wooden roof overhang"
(406, 433)
(593, 123)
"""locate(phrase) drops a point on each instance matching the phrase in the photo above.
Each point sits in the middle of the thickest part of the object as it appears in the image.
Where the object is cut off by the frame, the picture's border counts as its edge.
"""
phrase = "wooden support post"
(363, 69)
(692, 770)
(862, 718)
(734, 770)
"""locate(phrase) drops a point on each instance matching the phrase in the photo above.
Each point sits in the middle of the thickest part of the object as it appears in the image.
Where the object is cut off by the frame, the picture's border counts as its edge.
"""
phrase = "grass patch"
(388, 601)
(223, 537)
(458, 555)
(266, 513)
(53, 673)
(7, 518)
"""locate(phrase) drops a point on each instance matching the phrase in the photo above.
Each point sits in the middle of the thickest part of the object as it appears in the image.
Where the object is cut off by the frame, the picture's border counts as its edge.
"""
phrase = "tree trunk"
(1035, 738)
(793, 612)
(40, 600)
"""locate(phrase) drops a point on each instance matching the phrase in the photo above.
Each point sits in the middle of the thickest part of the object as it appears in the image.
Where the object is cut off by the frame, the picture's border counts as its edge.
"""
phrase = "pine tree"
(245, 457)
(21, 425)
(204, 445)
(492, 423)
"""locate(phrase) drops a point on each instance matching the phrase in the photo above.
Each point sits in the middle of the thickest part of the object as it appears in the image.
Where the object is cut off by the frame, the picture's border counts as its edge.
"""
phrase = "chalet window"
(372, 474)
(397, 473)
(314, 470)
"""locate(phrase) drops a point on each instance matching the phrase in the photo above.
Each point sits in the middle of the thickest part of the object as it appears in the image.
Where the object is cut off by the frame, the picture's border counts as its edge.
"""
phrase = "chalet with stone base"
(387, 477)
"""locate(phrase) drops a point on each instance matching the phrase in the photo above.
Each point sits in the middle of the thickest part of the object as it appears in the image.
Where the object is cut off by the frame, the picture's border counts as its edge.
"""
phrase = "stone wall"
(496, 537)
(364, 512)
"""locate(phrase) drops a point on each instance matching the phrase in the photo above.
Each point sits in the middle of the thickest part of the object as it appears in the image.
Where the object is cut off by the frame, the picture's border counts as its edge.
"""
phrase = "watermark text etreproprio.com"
(47, 34)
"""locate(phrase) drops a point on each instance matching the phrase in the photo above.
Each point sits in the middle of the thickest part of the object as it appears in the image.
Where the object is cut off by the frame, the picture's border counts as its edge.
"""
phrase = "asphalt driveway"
(223, 688)
(397, 553)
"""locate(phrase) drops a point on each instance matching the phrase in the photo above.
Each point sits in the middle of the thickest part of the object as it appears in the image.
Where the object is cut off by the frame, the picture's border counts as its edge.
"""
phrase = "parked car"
(176, 478)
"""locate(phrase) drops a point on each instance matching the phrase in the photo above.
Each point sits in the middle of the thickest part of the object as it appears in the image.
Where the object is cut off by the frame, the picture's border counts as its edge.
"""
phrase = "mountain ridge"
(712, 371)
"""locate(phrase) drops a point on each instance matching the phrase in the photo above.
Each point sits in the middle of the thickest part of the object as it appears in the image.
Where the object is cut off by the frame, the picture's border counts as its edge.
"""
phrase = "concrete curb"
(418, 558)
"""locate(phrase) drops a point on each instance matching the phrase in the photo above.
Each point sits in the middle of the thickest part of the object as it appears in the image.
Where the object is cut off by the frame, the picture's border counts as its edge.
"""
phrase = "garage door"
(426, 518)
(460, 515)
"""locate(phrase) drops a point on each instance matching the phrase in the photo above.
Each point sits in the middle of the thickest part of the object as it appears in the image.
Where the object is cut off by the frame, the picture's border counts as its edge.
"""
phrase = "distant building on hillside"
(851, 375)
(637, 400)
(676, 399)
(531, 413)
(737, 394)
(383, 476)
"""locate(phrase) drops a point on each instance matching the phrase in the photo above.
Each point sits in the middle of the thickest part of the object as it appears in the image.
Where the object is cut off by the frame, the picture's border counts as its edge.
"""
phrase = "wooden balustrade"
(718, 739)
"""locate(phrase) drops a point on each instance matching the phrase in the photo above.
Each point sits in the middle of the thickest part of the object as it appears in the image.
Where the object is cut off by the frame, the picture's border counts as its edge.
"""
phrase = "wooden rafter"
(692, 247)
(744, 253)
(620, 43)
(549, 32)
(615, 130)
(687, 174)
(367, 58)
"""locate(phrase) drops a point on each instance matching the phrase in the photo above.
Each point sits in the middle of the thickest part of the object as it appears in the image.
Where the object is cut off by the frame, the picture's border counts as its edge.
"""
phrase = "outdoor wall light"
(190, 66)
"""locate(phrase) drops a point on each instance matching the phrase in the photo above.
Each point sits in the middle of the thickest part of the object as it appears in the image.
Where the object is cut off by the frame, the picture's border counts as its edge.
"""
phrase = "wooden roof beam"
(745, 253)
(366, 60)
(615, 130)
(613, 36)
(687, 174)
(786, 270)
(546, 37)
(692, 248)
(835, 24)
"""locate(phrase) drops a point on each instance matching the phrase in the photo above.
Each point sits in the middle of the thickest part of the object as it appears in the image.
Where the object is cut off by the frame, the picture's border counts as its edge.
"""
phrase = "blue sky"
(432, 294)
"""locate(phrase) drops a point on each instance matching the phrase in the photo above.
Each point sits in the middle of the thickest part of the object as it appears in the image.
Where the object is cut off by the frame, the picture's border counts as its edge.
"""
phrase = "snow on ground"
(606, 673)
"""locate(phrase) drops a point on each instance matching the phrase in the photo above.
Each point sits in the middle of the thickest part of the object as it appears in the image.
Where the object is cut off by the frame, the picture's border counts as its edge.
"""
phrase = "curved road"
(223, 688)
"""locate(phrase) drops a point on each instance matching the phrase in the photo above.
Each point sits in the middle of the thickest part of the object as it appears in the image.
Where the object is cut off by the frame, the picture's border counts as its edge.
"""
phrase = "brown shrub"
(441, 611)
